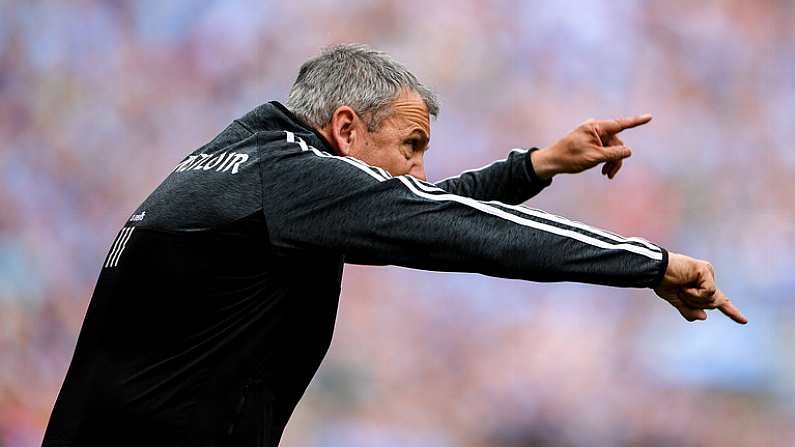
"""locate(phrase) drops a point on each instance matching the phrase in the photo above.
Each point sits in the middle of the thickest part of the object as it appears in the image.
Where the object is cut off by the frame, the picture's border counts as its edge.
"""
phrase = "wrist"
(662, 274)
(543, 165)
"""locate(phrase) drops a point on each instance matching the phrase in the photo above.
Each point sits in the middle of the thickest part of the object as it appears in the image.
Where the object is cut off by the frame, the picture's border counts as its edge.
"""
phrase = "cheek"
(389, 155)
(395, 162)
(405, 163)
(392, 158)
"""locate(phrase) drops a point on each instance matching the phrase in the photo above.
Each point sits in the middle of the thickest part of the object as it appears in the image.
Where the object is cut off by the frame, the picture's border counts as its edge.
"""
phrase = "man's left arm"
(512, 180)
(525, 173)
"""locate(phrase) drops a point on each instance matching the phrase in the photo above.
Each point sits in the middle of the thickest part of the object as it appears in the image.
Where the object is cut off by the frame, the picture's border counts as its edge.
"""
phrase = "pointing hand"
(689, 285)
(589, 144)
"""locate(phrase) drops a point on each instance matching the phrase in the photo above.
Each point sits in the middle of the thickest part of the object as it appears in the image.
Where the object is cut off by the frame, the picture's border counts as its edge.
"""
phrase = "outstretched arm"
(512, 180)
(316, 201)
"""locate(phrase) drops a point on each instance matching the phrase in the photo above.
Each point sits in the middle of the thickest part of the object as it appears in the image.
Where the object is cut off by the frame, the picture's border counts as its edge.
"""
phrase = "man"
(217, 301)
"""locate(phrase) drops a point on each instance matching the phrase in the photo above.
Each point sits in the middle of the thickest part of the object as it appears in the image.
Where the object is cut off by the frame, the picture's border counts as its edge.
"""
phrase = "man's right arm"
(316, 201)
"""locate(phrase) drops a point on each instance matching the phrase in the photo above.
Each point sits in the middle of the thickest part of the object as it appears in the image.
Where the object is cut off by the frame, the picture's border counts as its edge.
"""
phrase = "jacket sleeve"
(512, 180)
(314, 201)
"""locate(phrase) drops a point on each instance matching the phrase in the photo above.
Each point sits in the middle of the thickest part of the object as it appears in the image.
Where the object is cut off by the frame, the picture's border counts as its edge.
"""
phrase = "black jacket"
(217, 300)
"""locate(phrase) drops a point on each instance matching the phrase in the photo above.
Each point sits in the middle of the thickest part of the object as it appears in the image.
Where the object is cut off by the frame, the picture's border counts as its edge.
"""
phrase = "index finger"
(619, 124)
(729, 309)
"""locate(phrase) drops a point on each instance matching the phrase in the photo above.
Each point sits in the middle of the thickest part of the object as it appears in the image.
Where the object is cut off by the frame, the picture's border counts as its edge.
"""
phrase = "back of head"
(353, 75)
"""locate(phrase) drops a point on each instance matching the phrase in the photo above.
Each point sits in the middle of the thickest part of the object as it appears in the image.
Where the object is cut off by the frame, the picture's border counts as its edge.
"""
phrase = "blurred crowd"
(99, 100)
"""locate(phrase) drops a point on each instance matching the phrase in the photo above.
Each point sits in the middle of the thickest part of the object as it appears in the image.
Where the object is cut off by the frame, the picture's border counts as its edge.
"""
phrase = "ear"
(345, 130)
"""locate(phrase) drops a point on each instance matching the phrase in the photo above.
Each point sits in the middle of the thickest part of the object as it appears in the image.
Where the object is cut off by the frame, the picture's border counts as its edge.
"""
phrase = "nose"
(418, 171)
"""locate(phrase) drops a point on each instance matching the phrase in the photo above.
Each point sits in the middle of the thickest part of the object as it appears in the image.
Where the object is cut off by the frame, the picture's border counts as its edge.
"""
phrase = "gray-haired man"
(217, 300)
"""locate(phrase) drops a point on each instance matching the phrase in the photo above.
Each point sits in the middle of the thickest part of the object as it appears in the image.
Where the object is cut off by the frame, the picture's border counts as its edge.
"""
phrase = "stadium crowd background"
(99, 100)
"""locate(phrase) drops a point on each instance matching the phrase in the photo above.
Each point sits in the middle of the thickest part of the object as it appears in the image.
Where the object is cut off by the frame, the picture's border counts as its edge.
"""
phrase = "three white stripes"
(531, 223)
(118, 246)
(551, 217)
(650, 251)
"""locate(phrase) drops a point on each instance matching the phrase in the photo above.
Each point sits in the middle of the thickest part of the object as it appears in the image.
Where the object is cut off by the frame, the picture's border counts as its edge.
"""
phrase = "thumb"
(615, 153)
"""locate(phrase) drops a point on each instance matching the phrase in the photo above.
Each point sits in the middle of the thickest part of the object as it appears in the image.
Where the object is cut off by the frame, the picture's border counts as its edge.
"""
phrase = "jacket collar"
(274, 115)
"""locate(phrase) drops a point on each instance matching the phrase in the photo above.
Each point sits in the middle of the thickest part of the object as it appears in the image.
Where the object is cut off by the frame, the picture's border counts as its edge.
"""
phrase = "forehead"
(409, 113)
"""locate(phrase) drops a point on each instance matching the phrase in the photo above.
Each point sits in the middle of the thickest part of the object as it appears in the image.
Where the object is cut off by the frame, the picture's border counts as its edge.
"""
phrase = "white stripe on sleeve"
(561, 220)
(482, 206)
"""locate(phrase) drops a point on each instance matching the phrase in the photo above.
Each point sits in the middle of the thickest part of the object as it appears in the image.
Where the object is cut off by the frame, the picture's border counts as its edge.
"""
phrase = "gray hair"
(357, 76)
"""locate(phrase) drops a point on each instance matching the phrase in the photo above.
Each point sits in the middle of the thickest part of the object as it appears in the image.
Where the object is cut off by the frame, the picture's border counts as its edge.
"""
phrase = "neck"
(324, 133)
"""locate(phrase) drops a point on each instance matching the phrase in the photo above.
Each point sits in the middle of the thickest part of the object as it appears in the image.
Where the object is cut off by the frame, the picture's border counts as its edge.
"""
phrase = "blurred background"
(99, 100)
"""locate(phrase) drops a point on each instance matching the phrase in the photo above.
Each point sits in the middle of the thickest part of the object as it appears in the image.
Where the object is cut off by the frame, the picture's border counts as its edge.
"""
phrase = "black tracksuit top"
(217, 300)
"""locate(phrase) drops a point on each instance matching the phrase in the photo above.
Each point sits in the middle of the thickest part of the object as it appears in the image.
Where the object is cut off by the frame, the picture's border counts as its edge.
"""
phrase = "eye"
(413, 143)
(410, 146)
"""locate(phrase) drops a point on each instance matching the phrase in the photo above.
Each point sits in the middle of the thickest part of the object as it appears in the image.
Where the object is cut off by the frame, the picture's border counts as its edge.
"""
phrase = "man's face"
(398, 146)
